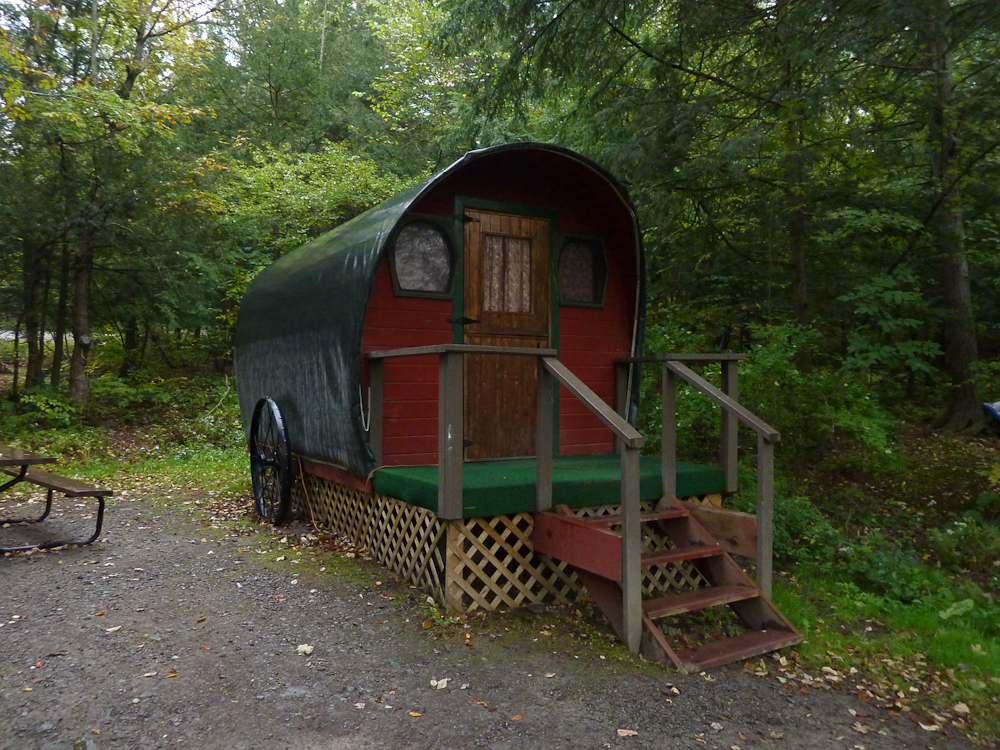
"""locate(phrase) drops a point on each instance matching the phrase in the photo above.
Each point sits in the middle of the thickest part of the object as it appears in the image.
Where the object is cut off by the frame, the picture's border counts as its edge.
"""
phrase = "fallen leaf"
(961, 708)
(201, 619)
(930, 727)
(484, 704)
(414, 713)
(98, 614)
(777, 735)
(304, 650)
(862, 728)
(428, 624)
(115, 629)
(550, 674)
(172, 673)
(440, 684)
(516, 718)
(627, 733)
(359, 705)
(150, 674)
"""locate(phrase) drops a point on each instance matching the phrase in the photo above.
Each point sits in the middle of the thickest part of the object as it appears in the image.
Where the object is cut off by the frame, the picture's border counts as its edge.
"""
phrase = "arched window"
(421, 261)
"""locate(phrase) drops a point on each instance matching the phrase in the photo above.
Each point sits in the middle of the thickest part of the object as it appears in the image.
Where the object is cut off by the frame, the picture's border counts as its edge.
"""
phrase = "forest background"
(817, 181)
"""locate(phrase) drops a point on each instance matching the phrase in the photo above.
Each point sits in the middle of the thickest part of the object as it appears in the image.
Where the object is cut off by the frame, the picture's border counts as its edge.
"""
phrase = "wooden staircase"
(594, 549)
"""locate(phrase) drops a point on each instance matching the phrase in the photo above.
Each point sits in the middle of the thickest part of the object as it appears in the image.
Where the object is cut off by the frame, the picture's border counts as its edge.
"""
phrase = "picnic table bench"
(19, 465)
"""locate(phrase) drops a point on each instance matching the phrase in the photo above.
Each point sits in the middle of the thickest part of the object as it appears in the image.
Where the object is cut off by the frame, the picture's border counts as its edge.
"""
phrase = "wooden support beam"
(376, 408)
(765, 514)
(729, 427)
(668, 441)
(631, 550)
(451, 436)
(621, 396)
(544, 439)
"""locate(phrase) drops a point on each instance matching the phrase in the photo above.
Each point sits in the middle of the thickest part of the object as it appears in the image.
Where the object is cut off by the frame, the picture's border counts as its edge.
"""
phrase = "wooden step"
(692, 601)
(726, 650)
(653, 515)
(680, 554)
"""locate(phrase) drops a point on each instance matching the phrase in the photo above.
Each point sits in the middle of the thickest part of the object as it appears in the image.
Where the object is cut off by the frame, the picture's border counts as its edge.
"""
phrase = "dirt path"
(169, 633)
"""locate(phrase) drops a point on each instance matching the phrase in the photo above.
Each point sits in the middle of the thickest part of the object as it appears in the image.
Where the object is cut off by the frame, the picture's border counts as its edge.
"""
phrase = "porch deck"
(492, 488)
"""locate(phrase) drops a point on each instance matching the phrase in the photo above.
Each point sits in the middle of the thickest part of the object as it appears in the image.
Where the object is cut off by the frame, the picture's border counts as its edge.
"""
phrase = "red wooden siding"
(589, 338)
(410, 383)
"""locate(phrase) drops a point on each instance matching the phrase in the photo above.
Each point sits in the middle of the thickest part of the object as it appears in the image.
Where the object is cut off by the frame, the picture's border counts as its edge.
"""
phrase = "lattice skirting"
(467, 564)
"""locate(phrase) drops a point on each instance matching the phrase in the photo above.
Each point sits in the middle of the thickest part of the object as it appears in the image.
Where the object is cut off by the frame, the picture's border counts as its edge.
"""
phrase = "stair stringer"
(751, 606)
(758, 612)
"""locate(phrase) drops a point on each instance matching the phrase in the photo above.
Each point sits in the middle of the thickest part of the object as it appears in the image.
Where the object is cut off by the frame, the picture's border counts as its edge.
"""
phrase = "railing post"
(543, 438)
(621, 397)
(730, 425)
(376, 403)
(631, 550)
(668, 441)
(765, 514)
(451, 441)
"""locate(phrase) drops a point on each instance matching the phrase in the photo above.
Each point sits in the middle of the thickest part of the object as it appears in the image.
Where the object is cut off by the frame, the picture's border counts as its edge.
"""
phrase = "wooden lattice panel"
(406, 539)
(492, 563)
(467, 564)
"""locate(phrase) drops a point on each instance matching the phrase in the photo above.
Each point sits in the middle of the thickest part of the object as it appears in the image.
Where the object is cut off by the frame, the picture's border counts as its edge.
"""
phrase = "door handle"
(463, 321)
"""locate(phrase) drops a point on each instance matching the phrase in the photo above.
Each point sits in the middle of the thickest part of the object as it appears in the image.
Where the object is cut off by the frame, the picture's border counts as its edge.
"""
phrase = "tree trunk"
(130, 343)
(79, 382)
(34, 304)
(59, 333)
(796, 217)
(947, 229)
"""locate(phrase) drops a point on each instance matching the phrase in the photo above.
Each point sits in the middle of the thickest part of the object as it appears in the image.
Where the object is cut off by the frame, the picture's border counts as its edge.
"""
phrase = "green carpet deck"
(493, 488)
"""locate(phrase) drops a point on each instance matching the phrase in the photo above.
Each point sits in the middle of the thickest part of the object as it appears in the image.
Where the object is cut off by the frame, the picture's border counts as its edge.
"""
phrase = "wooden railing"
(451, 447)
(630, 442)
(732, 413)
(550, 371)
(451, 421)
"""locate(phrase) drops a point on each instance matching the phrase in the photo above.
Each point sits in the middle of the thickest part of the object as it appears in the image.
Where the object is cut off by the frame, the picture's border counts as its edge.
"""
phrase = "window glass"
(581, 272)
(507, 274)
(421, 259)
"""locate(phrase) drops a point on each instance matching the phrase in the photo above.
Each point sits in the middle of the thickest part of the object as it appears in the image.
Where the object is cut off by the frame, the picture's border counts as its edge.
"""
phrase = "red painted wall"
(589, 338)
(410, 383)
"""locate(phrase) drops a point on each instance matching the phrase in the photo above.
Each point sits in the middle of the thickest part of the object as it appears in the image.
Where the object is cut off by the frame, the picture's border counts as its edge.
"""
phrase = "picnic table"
(18, 464)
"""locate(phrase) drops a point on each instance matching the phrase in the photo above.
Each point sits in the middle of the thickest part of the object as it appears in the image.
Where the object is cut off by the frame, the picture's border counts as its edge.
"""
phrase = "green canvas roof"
(298, 334)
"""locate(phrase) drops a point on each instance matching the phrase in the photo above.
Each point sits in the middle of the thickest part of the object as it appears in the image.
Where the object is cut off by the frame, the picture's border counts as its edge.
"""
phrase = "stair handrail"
(732, 413)
(767, 437)
(630, 441)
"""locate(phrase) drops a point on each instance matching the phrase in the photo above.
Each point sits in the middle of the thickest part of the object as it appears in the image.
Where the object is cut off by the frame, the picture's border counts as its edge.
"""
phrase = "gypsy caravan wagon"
(451, 379)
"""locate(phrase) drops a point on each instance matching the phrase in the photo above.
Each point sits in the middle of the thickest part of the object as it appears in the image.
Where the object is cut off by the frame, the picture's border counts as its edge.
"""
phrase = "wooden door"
(507, 295)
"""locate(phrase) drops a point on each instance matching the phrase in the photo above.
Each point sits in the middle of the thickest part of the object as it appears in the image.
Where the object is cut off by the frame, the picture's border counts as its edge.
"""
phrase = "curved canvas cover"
(298, 334)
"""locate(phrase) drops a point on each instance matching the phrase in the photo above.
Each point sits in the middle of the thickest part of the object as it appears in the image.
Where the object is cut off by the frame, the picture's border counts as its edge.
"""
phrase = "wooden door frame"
(458, 299)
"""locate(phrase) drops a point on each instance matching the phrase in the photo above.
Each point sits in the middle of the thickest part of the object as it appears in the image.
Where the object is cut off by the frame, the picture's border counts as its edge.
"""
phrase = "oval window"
(421, 260)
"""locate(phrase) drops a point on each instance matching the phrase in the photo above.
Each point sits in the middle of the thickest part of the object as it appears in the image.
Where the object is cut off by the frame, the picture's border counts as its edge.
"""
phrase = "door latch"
(463, 321)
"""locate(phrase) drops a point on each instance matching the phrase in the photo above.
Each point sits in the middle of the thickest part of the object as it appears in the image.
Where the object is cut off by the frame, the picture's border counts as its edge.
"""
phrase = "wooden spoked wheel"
(270, 462)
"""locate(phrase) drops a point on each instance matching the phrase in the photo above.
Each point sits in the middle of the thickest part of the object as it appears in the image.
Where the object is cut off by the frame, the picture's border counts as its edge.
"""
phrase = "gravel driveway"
(175, 631)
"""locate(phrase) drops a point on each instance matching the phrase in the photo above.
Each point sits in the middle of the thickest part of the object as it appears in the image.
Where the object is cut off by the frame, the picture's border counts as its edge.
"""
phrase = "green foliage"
(278, 199)
(47, 409)
(968, 547)
(888, 319)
